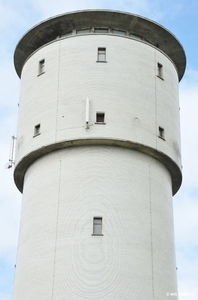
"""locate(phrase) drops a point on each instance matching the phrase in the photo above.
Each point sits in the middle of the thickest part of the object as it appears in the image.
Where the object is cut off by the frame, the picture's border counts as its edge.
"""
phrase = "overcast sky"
(178, 16)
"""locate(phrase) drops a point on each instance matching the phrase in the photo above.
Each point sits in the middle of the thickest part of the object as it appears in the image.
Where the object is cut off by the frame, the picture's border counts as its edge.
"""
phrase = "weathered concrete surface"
(50, 29)
(23, 165)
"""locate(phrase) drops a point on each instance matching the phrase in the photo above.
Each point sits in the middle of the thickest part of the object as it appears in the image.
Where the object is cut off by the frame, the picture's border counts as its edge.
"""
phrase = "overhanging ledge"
(50, 29)
(23, 165)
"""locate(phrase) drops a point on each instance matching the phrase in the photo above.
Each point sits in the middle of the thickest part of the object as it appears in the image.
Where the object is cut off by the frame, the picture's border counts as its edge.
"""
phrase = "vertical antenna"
(11, 155)
(87, 113)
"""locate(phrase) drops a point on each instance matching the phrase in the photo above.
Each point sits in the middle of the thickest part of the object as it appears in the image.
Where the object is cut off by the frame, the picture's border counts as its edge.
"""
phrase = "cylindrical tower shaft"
(98, 157)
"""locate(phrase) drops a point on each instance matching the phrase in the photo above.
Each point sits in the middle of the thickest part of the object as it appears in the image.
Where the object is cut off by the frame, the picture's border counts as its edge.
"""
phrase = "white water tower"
(98, 157)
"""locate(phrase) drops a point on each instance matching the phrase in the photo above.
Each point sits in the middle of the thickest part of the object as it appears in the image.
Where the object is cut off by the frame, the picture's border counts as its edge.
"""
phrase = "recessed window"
(83, 31)
(100, 118)
(41, 67)
(101, 30)
(137, 37)
(97, 226)
(120, 32)
(66, 34)
(37, 129)
(160, 70)
(161, 133)
(101, 55)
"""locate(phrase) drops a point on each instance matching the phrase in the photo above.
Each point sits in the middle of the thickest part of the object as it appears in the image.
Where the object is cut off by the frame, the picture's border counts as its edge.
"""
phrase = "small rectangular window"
(120, 32)
(102, 54)
(159, 70)
(41, 67)
(161, 133)
(66, 34)
(83, 31)
(37, 129)
(137, 37)
(100, 118)
(97, 226)
(101, 30)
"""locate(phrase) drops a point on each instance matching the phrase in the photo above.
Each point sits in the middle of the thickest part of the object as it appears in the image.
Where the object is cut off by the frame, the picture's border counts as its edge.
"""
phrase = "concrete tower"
(98, 158)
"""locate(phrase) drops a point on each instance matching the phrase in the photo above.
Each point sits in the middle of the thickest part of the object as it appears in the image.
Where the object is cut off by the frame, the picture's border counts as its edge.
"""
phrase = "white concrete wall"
(135, 101)
(58, 258)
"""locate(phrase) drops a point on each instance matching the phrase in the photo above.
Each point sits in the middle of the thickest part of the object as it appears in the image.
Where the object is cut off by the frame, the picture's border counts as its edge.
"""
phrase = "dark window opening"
(101, 30)
(120, 32)
(83, 31)
(161, 133)
(37, 129)
(102, 54)
(41, 67)
(159, 70)
(100, 117)
(97, 226)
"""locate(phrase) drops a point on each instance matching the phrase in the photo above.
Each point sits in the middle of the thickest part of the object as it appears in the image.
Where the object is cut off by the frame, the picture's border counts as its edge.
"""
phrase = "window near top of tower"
(101, 55)
(83, 31)
(120, 32)
(37, 129)
(66, 34)
(161, 133)
(160, 70)
(100, 118)
(97, 226)
(41, 67)
(135, 36)
(101, 30)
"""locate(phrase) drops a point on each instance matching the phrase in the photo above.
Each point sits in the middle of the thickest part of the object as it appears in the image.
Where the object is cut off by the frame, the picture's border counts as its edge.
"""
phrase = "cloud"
(7, 279)
(49, 8)
(10, 199)
(186, 208)
(185, 202)
(189, 128)
(186, 228)
(10, 207)
(5, 11)
(156, 10)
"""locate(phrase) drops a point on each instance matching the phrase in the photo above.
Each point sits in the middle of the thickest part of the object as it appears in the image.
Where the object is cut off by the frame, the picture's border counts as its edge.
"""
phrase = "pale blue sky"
(179, 17)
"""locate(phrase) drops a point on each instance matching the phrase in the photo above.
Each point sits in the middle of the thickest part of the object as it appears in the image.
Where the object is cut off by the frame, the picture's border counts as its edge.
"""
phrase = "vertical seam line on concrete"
(151, 229)
(156, 133)
(58, 88)
(56, 234)
(17, 253)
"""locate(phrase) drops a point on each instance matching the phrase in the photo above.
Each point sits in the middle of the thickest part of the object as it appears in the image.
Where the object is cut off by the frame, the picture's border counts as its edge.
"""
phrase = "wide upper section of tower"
(134, 26)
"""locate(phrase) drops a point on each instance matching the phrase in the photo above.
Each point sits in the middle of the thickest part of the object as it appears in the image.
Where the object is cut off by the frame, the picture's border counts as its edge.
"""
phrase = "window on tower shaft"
(41, 67)
(37, 130)
(101, 55)
(161, 133)
(160, 70)
(100, 118)
(97, 226)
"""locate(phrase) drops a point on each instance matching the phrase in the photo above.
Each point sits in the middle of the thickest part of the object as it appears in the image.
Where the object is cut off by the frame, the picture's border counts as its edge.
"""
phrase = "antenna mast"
(11, 155)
